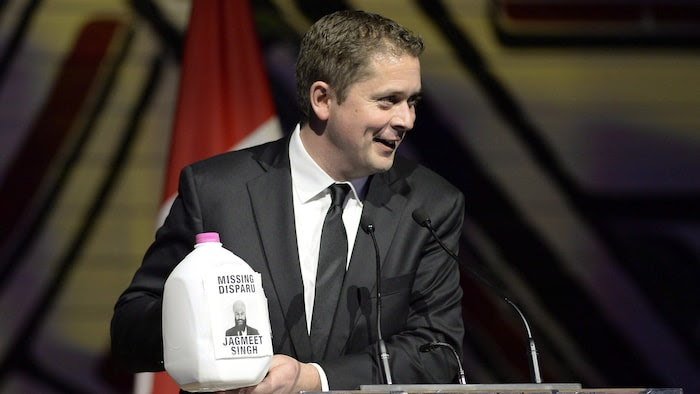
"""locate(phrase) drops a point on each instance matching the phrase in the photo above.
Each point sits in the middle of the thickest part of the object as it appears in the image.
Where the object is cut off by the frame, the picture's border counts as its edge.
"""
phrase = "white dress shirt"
(312, 199)
(311, 202)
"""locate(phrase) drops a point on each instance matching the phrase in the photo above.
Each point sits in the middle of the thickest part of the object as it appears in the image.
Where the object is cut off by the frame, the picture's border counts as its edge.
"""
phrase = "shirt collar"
(309, 180)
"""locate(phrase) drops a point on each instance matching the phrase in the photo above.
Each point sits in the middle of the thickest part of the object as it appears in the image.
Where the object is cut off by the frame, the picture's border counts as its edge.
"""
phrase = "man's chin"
(376, 165)
(384, 164)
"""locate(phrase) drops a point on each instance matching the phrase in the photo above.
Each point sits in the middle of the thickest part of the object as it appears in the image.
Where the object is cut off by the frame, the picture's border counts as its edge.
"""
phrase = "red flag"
(224, 103)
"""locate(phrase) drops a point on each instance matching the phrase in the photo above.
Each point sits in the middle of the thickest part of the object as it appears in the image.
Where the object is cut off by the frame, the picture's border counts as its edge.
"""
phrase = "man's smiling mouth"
(390, 144)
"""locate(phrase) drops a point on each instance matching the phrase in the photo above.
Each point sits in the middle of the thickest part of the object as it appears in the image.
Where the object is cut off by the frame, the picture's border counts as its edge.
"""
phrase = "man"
(358, 81)
(241, 327)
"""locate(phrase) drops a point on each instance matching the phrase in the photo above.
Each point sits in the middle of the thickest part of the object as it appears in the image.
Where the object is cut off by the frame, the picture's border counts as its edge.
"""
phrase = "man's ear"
(321, 96)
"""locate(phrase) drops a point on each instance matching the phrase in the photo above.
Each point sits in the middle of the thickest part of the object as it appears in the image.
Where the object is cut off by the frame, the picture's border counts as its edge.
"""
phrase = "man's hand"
(286, 375)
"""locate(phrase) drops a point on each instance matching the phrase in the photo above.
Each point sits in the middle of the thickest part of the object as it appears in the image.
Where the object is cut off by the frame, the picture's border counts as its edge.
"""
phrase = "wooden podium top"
(524, 388)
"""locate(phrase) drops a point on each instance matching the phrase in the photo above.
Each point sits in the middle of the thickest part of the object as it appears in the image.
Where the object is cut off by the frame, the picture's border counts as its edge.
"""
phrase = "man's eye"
(413, 101)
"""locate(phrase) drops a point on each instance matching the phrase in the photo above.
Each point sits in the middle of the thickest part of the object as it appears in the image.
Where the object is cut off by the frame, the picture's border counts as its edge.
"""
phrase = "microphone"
(428, 347)
(383, 352)
(423, 220)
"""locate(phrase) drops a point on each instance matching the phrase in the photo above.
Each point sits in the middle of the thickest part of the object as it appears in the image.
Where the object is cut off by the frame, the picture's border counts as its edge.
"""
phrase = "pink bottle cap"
(207, 237)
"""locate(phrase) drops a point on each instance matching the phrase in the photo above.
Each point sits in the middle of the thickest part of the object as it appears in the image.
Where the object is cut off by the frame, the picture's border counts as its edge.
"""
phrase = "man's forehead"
(393, 75)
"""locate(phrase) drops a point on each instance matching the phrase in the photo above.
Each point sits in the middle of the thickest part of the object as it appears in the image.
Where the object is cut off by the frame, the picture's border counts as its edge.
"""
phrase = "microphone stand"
(383, 353)
(424, 221)
(434, 345)
(534, 363)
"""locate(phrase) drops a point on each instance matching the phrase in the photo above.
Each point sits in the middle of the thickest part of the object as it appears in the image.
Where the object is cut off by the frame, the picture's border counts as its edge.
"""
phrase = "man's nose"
(404, 116)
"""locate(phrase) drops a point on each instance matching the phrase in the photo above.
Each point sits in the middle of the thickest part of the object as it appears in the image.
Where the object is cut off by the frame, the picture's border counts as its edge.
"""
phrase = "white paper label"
(240, 320)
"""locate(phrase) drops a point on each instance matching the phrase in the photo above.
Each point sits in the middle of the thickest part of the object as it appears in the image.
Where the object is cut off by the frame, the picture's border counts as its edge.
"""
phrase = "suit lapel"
(271, 197)
(382, 208)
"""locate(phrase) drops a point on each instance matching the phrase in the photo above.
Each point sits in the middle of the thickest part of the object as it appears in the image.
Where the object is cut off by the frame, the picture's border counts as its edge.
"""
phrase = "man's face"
(367, 128)
(239, 315)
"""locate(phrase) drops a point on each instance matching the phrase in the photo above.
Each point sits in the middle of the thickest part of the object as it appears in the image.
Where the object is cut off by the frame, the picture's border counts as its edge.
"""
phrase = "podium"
(471, 388)
(524, 388)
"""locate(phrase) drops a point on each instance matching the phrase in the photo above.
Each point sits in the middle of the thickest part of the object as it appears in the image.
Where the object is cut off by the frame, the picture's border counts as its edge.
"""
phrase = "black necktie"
(332, 259)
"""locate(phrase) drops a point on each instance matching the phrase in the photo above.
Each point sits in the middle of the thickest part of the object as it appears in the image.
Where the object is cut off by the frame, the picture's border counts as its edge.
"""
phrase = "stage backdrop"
(571, 127)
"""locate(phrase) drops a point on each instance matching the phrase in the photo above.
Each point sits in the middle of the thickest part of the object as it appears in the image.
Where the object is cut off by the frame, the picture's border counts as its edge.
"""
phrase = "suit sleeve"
(434, 312)
(136, 333)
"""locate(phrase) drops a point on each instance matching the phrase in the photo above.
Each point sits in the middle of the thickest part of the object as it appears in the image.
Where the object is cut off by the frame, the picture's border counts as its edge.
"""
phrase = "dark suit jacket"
(235, 331)
(246, 196)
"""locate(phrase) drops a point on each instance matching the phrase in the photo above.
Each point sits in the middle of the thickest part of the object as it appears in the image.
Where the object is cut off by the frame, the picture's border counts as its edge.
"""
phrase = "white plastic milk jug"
(216, 326)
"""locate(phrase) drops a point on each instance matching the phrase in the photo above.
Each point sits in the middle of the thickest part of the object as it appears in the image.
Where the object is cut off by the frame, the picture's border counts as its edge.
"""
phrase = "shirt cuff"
(322, 375)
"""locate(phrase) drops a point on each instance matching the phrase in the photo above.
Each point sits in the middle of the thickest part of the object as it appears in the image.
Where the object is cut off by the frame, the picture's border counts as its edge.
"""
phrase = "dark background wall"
(572, 128)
